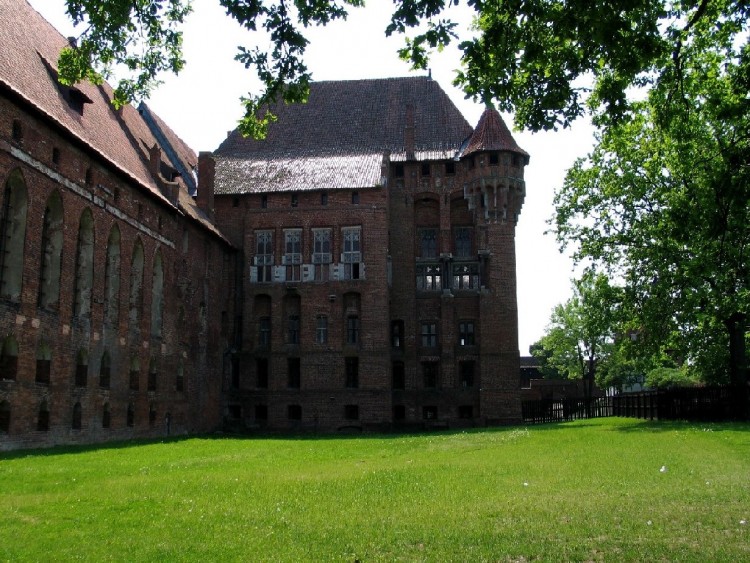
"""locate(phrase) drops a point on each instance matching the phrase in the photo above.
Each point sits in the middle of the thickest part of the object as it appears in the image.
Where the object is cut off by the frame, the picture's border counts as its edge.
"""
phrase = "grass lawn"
(581, 491)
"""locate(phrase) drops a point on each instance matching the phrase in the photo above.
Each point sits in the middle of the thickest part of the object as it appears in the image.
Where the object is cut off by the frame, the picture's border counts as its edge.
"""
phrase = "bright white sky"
(202, 105)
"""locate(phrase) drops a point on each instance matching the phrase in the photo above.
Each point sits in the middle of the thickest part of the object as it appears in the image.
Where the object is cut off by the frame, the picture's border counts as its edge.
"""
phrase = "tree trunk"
(738, 364)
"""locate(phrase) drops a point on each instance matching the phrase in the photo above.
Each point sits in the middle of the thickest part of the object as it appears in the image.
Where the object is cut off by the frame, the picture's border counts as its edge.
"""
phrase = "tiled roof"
(354, 124)
(29, 47)
(491, 134)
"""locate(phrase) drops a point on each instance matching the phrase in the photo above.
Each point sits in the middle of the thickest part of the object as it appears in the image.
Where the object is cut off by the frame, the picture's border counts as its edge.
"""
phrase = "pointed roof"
(491, 134)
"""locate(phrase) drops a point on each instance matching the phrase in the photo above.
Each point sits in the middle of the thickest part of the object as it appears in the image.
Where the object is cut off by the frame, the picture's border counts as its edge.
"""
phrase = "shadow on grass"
(617, 424)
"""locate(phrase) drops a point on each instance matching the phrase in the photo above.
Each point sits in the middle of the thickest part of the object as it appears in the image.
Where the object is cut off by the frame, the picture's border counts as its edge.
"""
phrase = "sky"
(202, 105)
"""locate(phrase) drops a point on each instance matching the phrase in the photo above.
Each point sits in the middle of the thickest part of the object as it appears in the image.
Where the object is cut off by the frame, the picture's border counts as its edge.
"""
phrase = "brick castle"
(354, 271)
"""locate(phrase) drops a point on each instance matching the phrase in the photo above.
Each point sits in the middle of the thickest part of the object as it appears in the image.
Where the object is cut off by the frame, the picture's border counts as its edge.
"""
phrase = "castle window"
(179, 382)
(466, 333)
(428, 243)
(465, 276)
(429, 412)
(104, 371)
(153, 373)
(17, 132)
(292, 253)
(321, 329)
(293, 373)
(84, 273)
(321, 255)
(82, 369)
(157, 296)
(9, 359)
(89, 178)
(77, 415)
(294, 412)
(264, 201)
(151, 414)
(352, 254)
(55, 156)
(42, 421)
(293, 325)
(428, 277)
(51, 254)
(516, 160)
(351, 368)
(136, 286)
(295, 200)
(431, 374)
(261, 373)
(264, 255)
(106, 416)
(398, 375)
(4, 417)
(134, 375)
(13, 236)
(323, 198)
(450, 168)
(425, 169)
(398, 170)
(352, 329)
(466, 374)
(355, 198)
(235, 201)
(351, 412)
(264, 331)
(397, 334)
(429, 335)
(43, 364)
(494, 159)
(130, 419)
(462, 243)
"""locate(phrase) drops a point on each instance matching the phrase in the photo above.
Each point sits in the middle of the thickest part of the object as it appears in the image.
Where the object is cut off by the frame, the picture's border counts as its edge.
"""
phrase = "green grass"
(582, 491)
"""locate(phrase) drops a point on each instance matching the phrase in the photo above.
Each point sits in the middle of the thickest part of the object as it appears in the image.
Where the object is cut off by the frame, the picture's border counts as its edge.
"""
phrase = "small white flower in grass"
(743, 522)
(663, 469)
(525, 484)
(649, 523)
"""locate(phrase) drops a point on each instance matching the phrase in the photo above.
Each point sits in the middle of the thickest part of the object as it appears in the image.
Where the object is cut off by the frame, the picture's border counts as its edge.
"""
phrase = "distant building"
(356, 270)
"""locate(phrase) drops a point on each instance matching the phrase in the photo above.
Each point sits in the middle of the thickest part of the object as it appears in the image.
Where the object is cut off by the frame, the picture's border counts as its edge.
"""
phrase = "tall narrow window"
(82, 369)
(264, 331)
(104, 371)
(466, 333)
(397, 334)
(428, 243)
(136, 286)
(77, 416)
(51, 255)
(9, 359)
(466, 374)
(321, 329)
(351, 367)
(352, 254)
(112, 278)
(321, 254)
(43, 364)
(4, 417)
(42, 421)
(264, 255)
(153, 373)
(292, 253)
(261, 373)
(293, 373)
(135, 374)
(130, 420)
(429, 335)
(352, 330)
(431, 374)
(12, 236)
(106, 416)
(84, 273)
(179, 382)
(157, 296)
(293, 336)
(462, 243)
(399, 375)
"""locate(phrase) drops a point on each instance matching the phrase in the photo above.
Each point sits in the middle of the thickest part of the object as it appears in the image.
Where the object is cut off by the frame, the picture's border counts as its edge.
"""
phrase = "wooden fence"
(689, 403)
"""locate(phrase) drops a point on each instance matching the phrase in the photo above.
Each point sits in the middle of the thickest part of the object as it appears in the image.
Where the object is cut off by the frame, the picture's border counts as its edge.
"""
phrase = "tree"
(662, 204)
(580, 336)
(533, 57)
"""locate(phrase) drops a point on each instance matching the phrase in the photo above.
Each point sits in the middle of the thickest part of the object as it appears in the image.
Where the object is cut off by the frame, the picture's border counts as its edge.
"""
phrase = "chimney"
(409, 132)
(154, 156)
(206, 170)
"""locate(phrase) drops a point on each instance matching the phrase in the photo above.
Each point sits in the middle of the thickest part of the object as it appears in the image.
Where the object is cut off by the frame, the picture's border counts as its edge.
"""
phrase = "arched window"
(157, 296)
(136, 285)
(104, 371)
(82, 368)
(135, 374)
(42, 421)
(112, 278)
(4, 417)
(84, 276)
(12, 236)
(9, 359)
(106, 416)
(77, 415)
(43, 363)
(51, 255)
(153, 371)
